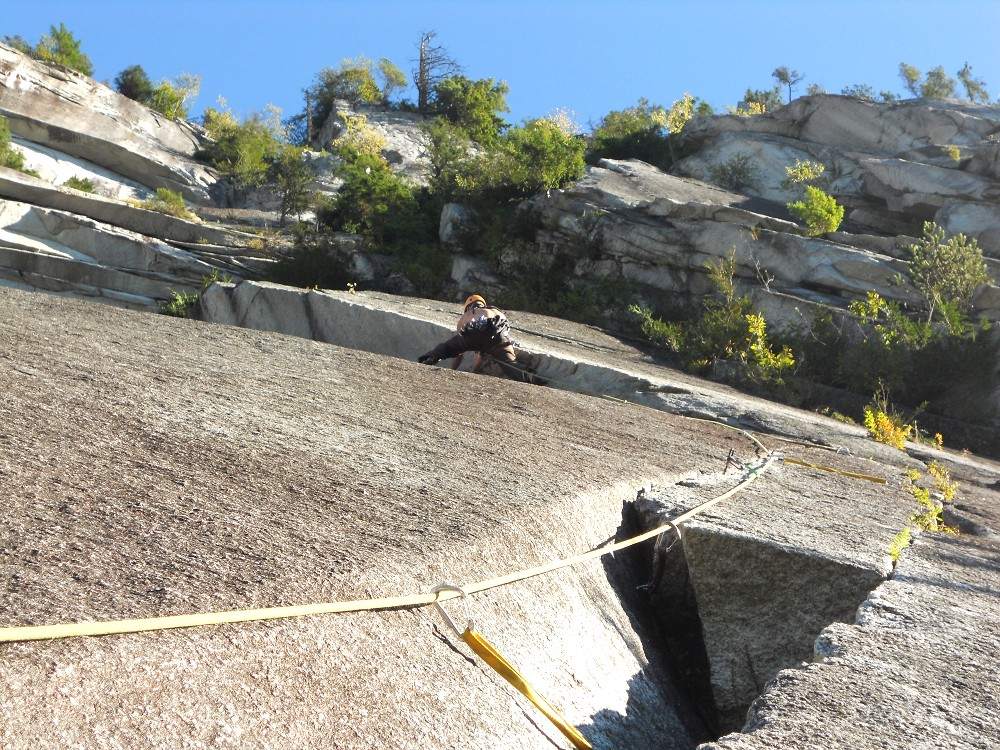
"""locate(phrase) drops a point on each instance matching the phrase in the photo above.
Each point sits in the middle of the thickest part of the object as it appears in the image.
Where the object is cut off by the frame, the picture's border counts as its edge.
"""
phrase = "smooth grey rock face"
(72, 114)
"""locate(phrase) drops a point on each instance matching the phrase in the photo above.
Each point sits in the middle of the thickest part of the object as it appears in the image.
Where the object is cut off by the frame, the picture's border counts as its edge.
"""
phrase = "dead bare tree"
(434, 64)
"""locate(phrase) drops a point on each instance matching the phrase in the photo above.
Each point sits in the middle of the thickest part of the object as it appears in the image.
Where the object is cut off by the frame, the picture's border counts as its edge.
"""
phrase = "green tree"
(472, 106)
(975, 88)
(174, 98)
(946, 270)
(240, 151)
(61, 47)
(764, 99)
(288, 171)
(937, 85)
(787, 78)
(393, 78)
(135, 84)
(911, 78)
(434, 65)
(639, 132)
(819, 211)
(449, 150)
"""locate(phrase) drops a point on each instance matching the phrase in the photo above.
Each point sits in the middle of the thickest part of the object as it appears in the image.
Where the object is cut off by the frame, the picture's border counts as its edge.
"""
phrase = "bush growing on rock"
(315, 260)
(58, 46)
(803, 173)
(638, 132)
(946, 272)
(241, 151)
(135, 84)
(10, 157)
(737, 172)
(168, 202)
(83, 184)
(173, 98)
(727, 329)
(370, 200)
(819, 211)
(541, 155)
(883, 348)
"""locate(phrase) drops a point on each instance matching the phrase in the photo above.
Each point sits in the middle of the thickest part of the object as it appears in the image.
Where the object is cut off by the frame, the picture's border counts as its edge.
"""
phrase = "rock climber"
(484, 330)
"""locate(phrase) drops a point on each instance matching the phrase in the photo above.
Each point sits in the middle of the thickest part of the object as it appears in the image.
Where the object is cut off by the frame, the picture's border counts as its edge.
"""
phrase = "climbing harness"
(485, 651)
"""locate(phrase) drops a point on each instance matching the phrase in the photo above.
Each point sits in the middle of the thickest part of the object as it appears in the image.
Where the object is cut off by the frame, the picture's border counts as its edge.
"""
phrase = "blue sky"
(584, 56)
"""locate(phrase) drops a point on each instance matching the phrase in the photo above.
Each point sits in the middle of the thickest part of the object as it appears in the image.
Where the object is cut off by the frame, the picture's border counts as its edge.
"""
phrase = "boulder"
(406, 145)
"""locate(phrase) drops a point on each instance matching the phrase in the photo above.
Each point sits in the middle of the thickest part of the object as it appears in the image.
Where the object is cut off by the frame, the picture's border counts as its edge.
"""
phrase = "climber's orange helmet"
(473, 299)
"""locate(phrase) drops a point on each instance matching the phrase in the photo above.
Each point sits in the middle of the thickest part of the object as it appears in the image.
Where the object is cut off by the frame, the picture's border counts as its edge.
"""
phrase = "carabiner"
(471, 624)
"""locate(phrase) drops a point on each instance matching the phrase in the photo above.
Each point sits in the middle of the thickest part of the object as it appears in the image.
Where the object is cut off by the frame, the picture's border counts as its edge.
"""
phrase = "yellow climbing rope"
(851, 474)
(109, 627)
(482, 648)
(507, 670)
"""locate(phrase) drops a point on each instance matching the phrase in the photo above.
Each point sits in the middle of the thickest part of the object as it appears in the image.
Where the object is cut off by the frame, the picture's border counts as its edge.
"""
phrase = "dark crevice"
(671, 598)
(676, 657)
(767, 605)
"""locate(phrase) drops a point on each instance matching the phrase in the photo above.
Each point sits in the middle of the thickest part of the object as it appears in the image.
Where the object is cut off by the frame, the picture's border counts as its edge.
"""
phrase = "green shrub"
(82, 184)
(887, 428)
(639, 132)
(168, 202)
(11, 157)
(173, 98)
(550, 288)
(882, 347)
(372, 200)
(726, 329)
(353, 81)
(667, 335)
(427, 266)
(736, 173)
(526, 160)
(946, 273)
(803, 173)
(179, 305)
(899, 542)
(819, 211)
(240, 151)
